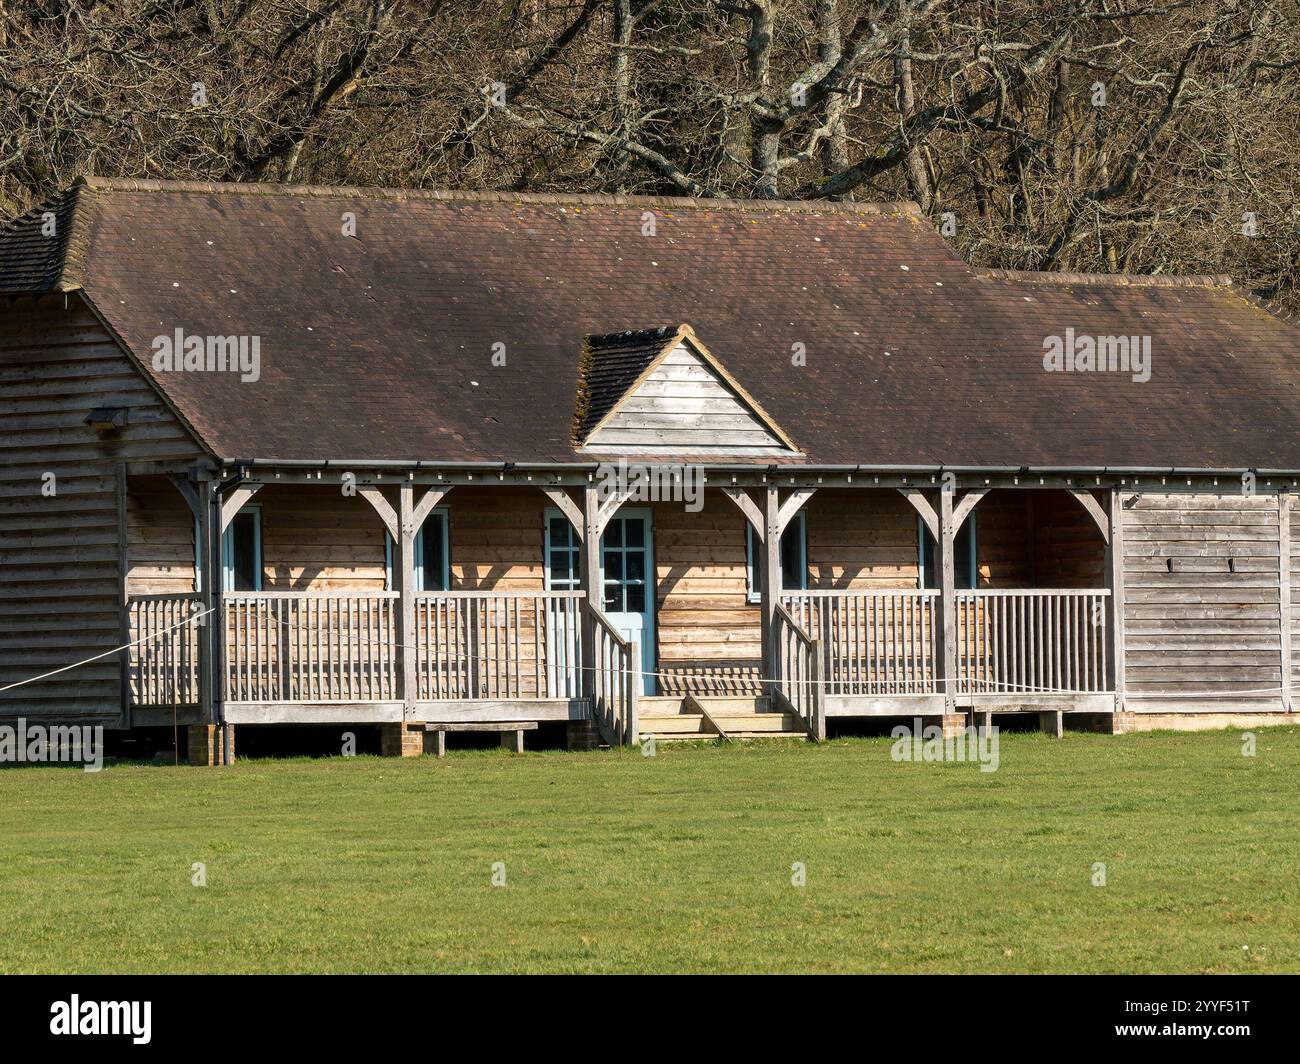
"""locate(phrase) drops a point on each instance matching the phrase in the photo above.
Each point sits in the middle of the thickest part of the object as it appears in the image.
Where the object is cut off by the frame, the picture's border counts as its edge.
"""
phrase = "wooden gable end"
(685, 403)
(65, 511)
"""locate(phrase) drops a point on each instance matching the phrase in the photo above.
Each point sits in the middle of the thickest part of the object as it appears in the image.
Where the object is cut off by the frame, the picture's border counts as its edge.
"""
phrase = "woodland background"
(1085, 135)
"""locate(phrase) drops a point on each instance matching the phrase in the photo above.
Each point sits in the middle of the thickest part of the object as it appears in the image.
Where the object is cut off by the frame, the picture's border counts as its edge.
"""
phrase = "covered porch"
(822, 600)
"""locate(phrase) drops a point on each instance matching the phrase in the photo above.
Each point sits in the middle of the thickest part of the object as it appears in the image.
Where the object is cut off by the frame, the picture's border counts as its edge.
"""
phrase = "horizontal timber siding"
(1211, 626)
(160, 538)
(60, 590)
(1294, 566)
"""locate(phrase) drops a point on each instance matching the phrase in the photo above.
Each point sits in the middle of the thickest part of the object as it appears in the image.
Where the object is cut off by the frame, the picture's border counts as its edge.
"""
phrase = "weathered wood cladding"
(1294, 568)
(1202, 579)
(1036, 538)
(160, 538)
(60, 586)
(707, 630)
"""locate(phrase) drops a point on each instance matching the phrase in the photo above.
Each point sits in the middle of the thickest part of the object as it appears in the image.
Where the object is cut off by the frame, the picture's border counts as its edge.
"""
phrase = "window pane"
(635, 532)
(244, 535)
(614, 534)
(753, 558)
(963, 566)
(635, 565)
(560, 529)
(560, 571)
(636, 598)
(614, 597)
(434, 538)
(613, 565)
(793, 575)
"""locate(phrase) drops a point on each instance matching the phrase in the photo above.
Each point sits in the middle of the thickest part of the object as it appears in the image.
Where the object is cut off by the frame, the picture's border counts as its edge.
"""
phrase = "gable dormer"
(660, 391)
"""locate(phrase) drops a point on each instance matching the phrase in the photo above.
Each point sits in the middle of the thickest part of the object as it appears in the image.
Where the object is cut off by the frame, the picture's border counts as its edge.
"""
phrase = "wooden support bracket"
(747, 507)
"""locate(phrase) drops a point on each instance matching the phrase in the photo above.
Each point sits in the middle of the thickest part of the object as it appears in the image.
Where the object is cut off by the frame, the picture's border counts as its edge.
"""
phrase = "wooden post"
(206, 581)
(123, 602)
(633, 694)
(816, 699)
(222, 513)
(1284, 593)
(591, 587)
(770, 584)
(948, 599)
(406, 589)
(1115, 608)
(213, 589)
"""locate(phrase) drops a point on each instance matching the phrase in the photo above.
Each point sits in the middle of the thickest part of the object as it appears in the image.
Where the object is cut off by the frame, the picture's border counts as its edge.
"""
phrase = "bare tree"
(1147, 135)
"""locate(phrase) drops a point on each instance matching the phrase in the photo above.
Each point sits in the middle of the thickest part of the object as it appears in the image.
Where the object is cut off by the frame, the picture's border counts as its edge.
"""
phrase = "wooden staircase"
(672, 718)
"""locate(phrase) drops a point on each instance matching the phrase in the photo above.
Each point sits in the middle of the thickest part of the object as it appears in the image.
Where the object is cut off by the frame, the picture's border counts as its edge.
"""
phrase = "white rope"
(937, 682)
(107, 653)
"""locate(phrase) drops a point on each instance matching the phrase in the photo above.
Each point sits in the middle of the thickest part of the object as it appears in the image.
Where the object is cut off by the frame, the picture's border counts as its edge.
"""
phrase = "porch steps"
(669, 718)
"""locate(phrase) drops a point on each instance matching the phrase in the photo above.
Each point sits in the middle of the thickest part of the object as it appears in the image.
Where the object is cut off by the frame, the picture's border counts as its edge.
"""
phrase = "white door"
(627, 575)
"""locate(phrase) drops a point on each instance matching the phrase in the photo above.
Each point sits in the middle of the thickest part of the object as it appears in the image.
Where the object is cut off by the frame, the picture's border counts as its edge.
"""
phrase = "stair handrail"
(616, 665)
(797, 659)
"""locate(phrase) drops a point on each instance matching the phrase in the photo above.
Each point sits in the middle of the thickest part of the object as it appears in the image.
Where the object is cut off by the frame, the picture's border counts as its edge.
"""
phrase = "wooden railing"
(498, 644)
(164, 660)
(617, 680)
(1020, 642)
(798, 685)
(874, 642)
(317, 646)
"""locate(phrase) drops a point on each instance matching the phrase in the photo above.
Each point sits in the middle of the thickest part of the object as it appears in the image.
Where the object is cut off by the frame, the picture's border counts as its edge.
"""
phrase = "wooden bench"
(512, 732)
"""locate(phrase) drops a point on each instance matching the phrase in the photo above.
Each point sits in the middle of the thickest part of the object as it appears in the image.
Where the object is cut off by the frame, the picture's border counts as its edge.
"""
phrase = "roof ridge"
(67, 244)
(1115, 280)
(1270, 306)
(578, 199)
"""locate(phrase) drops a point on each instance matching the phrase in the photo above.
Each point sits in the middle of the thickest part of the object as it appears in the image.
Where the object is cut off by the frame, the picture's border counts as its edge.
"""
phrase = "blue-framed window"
(794, 559)
(241, 551)
(563, 549)
(965, 567)
(432, 553)
(198, 556)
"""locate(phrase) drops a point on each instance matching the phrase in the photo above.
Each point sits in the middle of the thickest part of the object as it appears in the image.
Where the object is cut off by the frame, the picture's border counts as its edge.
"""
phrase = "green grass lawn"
(682, 862)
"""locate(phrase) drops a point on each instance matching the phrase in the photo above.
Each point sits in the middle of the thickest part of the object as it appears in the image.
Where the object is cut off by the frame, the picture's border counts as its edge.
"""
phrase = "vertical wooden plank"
(1115, 584)
(770, 583)
(209, 622)
(591, 587)
(633, 692)
(1284, 594)
(124, 615)
(947, 599)
(406, 591)
(539, 607)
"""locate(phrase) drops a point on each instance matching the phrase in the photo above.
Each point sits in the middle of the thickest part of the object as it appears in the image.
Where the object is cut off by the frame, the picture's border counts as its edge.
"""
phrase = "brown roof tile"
(380, 345)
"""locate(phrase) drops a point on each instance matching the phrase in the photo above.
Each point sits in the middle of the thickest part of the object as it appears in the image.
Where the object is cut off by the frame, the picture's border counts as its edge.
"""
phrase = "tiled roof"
(610, 365)
(380, 344)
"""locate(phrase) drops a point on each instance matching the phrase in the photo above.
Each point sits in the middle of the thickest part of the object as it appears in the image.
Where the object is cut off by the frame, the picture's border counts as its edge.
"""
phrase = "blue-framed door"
(628, 580)
(627, 575)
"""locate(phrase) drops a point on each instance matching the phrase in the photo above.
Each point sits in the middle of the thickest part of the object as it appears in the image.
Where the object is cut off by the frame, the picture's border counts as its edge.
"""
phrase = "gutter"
(778, 469)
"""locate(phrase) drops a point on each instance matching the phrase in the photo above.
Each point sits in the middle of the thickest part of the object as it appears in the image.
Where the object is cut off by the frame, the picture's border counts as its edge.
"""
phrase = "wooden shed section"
(1208, 591)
